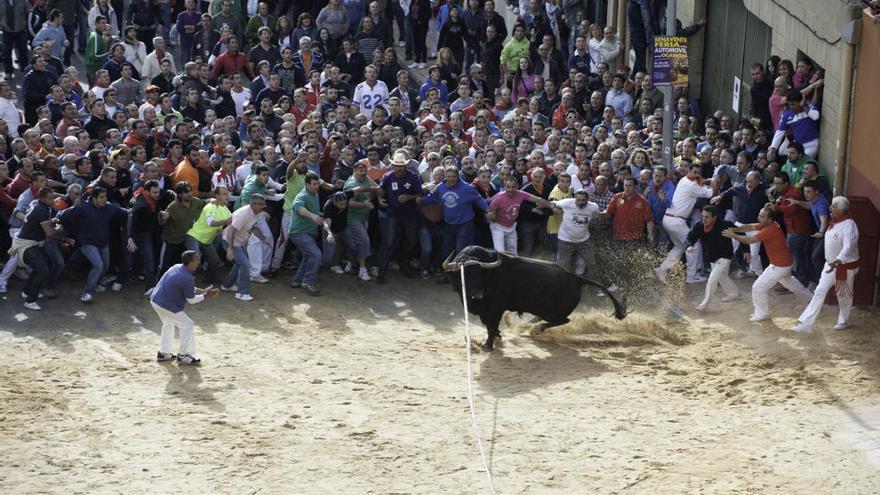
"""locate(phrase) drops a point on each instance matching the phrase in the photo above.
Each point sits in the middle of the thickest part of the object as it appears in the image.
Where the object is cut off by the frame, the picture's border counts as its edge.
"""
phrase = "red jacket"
(229, 64)
(797, 220)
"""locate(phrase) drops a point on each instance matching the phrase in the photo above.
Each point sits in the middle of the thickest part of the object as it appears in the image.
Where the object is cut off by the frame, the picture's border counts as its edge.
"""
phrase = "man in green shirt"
(358, 217)
(296, 182)
(203, 238)
(305, 221)
(794, 167)
(260, 244)
(176, 221)
(515, 49)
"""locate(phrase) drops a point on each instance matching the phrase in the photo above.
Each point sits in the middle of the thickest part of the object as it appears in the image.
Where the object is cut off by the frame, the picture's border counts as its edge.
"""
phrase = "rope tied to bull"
(470, 385)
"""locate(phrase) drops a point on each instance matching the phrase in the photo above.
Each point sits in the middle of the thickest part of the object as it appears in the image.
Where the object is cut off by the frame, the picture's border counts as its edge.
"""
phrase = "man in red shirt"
(232, 61)
(798, 224)
(779, 271)
(632, 215)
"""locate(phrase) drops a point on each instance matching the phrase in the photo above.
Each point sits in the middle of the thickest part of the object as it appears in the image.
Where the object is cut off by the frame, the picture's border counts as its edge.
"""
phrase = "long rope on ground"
(470, 384)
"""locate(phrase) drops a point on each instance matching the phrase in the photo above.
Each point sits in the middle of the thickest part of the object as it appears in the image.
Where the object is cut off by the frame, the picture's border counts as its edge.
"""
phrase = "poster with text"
(670, 61)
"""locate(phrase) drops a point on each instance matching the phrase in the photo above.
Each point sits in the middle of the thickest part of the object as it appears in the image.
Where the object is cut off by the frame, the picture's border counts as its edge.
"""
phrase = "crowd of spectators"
(290, 136)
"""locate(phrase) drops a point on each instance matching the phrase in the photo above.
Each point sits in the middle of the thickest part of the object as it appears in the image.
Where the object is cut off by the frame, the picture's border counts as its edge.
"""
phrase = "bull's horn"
(489, 266)
(449, 265)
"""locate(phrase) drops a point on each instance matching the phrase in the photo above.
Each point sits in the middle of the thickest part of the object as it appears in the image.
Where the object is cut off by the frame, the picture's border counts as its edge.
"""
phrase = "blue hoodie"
(458, 202)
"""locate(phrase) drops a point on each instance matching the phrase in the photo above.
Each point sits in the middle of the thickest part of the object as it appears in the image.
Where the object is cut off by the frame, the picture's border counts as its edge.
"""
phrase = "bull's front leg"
(491, 321)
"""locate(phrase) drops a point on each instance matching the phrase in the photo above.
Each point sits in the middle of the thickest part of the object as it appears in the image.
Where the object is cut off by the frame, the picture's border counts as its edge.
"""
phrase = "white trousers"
(677, 230)
(720, 276)
(260, 252)
(826, 283)
(771, 276)
(12, 263)
(170, 321)
(281, 242)
(503, 238)
(755, 265)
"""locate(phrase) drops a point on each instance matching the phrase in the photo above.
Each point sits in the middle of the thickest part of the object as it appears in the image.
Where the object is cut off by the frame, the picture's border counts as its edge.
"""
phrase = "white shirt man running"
(687, 192)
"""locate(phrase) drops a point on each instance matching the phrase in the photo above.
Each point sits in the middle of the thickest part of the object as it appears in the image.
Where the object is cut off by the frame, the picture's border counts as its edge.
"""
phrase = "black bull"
(498, 282)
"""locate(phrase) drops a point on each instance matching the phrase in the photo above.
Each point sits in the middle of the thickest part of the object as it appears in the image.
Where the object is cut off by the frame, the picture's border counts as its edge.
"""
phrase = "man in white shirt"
(842, 253)
(8, 112)
(687, 192)
(370, 93)
(153, 61)
(574, 231)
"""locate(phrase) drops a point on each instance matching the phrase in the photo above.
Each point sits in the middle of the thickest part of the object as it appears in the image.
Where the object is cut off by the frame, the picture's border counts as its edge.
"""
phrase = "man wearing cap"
(398, 191)
(174, 290)
(358, 217)
(152, 93)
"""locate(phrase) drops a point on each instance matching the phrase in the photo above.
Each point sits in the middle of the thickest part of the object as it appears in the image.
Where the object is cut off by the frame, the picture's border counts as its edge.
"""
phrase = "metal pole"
(667, 93)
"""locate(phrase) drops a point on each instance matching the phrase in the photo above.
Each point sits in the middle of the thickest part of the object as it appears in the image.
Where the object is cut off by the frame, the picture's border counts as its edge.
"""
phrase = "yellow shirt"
(553, 222)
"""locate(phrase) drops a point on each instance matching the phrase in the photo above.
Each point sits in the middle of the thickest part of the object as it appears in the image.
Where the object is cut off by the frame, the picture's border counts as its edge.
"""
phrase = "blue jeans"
(240, 275)
(53, 249)
(430, 242)
(99, 257)
(457, 237)
(391, 236)
(358, 239)
(311, 262)
(146, 245)
(797, 244)
(340, 241)
(165, 20)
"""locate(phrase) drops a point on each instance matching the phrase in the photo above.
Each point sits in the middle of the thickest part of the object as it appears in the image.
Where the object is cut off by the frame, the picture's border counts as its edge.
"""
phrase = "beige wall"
(818, 36)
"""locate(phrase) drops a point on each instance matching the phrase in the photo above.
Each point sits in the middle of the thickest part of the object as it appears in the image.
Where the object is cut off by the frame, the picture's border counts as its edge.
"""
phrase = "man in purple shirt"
(176, 288)
(187, 24)
(398, 191)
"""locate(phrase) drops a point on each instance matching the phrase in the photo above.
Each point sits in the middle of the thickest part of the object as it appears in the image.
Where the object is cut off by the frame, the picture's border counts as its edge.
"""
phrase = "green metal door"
(735, 39)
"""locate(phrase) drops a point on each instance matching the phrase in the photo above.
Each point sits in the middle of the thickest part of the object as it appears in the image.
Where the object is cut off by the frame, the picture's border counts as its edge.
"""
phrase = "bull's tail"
(619, 307)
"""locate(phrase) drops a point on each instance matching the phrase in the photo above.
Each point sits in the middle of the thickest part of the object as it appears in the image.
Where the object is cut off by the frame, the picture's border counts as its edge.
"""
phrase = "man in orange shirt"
(186, 170)
(779, 270)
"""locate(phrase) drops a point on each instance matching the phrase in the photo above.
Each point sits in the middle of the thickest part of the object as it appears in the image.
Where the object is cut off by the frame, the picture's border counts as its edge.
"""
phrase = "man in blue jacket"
(458, 200)
(175, 289)
(92, 220)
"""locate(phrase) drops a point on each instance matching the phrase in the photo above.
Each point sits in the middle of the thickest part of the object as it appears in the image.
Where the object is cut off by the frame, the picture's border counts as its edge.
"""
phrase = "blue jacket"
(458, 202)
(658, 207)
(174, 288)
(92, 223)
(444, 91)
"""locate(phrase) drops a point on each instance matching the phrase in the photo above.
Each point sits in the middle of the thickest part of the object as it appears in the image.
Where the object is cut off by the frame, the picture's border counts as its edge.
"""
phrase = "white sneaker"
(337, 269)
(100, 288)
(3, 289)
(613, 288)
(24, 296)
(802, 328)
(149, 291)
(86, 298)
(374, 271)
(259, 279)
(701, 308)
(234, 288)
(414, 65)
(401, 44)
(699, 279)
(758, 319)
(33, 306)
(739, 274)
(600, 293)
(841, 326)
(729, 298)
(243, 297)
(116, 287)
(363, 275)
(347, 267)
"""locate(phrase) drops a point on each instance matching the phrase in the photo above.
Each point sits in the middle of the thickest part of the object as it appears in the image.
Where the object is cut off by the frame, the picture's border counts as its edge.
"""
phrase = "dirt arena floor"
(363, 390)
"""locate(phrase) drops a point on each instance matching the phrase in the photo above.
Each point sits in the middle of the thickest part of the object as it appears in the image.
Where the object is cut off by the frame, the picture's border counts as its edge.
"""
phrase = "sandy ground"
(363, 390)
